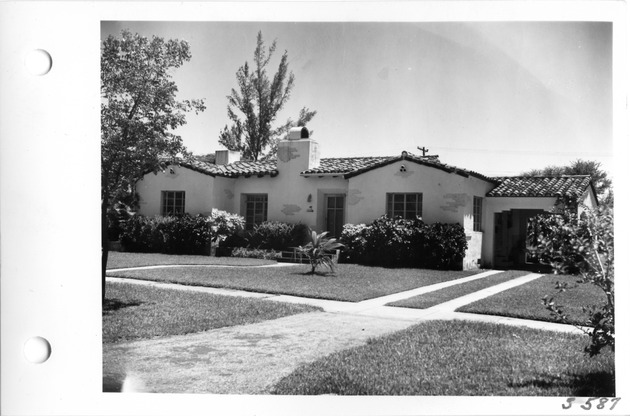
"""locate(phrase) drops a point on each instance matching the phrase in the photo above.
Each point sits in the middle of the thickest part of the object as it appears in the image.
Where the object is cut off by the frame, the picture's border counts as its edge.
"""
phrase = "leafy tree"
(601, 182)
(584, 245)
(254, 105)
(138, 114)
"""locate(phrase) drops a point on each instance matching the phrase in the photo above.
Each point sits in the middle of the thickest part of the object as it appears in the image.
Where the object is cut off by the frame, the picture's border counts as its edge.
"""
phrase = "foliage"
(258, 100)
(255, 253)
(398, 242)
(116, 217)
(319, 250)
(583, 245)
(224, 224)
(601, 182)
(182, 234)
(139, 112)
(276, 235)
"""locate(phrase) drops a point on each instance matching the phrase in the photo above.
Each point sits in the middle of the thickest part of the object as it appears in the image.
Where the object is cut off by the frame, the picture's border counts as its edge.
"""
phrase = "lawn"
(430, 299)
(525, 301)
(351, 282)
(133, 311)
(459, 359)
(118, 260)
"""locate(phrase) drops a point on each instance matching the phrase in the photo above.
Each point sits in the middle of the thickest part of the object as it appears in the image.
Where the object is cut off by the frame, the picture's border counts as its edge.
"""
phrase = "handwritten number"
(570, 401)
(602, 403)
(587, 405)
(615, 400)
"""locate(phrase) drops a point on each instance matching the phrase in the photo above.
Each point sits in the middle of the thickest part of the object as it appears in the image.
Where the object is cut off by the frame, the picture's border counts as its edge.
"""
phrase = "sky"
(499, 98)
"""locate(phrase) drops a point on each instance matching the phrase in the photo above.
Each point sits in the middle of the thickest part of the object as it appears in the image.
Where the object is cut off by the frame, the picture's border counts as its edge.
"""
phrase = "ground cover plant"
(525, 301)
(430, 299)
(351, 282)
(133, 311)
(459, 359)
(118, 260)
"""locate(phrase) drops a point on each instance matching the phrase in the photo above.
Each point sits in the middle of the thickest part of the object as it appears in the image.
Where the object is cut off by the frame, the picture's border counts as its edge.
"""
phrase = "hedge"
(181, 234)
(398, 242)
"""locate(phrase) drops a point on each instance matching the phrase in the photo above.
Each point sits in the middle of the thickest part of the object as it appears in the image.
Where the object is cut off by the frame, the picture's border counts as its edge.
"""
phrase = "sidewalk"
(248, 359)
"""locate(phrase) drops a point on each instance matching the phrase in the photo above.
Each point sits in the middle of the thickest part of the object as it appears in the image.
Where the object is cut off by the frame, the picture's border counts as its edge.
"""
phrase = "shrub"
(319, 250)
(182, 234)
(276, 235)
(584, 245)
(398, 242)
(254, 253)
(354, 240)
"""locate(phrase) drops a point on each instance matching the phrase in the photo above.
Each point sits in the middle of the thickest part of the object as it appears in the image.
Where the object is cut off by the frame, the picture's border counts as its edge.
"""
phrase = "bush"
(276, 235)
(182, 234)
(254, 253)
(398, 242)
(583, 245)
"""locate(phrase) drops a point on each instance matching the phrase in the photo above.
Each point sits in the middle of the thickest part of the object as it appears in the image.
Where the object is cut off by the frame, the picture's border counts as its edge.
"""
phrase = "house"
(326, 193)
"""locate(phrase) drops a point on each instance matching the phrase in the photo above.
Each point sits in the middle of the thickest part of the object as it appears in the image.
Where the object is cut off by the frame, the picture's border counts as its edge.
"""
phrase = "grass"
(351, 282)
(525, 301)
(459, 359)
(118, 260)
(133, 311)
(430, 299)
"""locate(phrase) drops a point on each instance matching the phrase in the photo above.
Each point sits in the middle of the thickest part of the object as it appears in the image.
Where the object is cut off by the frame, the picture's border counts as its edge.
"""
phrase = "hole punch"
(37, 350)
(38, 62)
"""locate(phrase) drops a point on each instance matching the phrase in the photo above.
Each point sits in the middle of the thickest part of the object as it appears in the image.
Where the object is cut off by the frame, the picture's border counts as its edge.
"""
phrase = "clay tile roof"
(353, 166)
(541, 186)
(242, 168)
(344, 165)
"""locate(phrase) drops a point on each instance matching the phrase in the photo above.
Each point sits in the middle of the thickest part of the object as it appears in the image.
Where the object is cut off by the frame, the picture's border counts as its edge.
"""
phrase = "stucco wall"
(446, 197)
(198, 188)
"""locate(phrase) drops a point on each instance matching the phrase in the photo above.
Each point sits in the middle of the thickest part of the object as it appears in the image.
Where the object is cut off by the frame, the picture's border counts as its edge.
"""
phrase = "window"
(255, 210)
(477, 201)
(408, 206)
(173, 202)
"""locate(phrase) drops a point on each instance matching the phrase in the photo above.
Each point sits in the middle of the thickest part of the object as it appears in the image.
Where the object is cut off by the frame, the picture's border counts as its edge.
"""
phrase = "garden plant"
(584, 245)
(320, 251)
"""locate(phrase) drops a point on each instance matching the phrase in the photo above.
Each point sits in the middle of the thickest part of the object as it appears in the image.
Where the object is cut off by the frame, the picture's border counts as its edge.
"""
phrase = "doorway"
(335, 215)
(510, 238)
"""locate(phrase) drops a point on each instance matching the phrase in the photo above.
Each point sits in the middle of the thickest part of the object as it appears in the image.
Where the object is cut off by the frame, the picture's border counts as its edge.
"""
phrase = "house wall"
(500, 204)
(446, 197)
(199, 190)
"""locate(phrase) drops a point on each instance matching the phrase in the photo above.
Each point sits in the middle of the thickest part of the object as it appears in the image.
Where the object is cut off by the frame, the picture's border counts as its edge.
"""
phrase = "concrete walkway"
(248, 359)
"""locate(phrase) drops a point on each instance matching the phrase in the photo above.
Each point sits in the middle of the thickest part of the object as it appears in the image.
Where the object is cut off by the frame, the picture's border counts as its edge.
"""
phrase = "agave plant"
(320, 250)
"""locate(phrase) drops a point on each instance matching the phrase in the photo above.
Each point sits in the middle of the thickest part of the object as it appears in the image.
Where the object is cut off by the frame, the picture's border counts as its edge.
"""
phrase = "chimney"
(225, 157)
(298, 152)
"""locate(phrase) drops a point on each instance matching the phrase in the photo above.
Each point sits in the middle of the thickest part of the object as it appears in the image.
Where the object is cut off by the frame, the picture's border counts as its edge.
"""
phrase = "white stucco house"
(326, 193)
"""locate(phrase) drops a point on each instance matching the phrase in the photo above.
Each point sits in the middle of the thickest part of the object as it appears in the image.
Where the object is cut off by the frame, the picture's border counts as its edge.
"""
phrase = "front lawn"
(525, 301)
(460, 359)
(118, 260)
(430, 299)
(133, 311)
(351, 282)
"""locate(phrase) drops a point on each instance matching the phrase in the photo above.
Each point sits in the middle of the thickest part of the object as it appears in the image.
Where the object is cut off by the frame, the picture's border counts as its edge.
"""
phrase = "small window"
(173, 202)
(408, 206)
(255, 210)
(477, 205)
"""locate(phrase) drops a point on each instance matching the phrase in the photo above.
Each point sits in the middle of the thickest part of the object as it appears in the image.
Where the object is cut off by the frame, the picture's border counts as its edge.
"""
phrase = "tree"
(258, 100)
(138, 114)
(601, 182)
(584, 245)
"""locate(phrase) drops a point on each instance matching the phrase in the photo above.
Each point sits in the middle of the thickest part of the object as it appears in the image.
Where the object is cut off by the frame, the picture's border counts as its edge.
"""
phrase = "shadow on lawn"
(111, 305)
(600, 384)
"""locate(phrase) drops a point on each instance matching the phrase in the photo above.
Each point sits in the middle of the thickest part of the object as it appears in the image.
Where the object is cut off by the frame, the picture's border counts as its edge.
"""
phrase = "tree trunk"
(104, 243)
